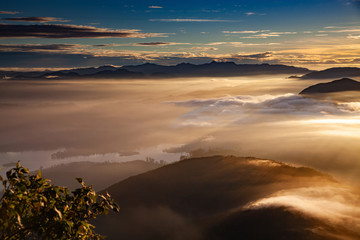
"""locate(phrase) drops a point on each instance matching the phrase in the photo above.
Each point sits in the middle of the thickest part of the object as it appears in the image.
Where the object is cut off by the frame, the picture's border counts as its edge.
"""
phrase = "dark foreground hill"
(216, 198)
(341, 85)
(339, 72)
(99, 175)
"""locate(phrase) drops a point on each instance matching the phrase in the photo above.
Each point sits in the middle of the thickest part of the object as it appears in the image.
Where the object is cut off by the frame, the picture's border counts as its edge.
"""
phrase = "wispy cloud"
(142, 44)
(158, 43)
(204, 48)
(332, 27)
(350, 30)
(245, 31)
(340, 201)
(253, 13)
(35, 19)
(259, 33)
(254, 56)
(9, 12)
(189, 20)
(240, 44)
(269, 34)
(69, 31)
(36, 47)
(320, 51)
(346, 30)
(354, 36)
(155, 7)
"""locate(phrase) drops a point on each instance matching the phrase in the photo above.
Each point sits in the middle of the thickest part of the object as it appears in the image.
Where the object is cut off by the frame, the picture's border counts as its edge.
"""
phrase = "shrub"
(32, 208)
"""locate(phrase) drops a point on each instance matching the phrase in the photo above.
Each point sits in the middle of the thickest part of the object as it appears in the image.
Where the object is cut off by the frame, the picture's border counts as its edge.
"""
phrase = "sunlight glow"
(344, 121)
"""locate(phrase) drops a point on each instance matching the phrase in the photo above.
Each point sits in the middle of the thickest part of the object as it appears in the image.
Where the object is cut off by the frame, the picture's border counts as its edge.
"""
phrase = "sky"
(316, 34)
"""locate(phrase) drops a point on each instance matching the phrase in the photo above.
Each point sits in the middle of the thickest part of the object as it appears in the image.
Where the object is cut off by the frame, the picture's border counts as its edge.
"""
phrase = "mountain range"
(213, 69)
(150, 70)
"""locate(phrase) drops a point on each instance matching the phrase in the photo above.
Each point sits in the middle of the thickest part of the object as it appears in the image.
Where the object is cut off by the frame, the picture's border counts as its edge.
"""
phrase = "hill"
(99, 175)
(211, 198)
(339, 72)
(341, 85)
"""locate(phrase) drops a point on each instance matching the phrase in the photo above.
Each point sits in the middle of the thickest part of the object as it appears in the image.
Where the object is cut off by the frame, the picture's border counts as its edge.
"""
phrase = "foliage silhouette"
(32, 208)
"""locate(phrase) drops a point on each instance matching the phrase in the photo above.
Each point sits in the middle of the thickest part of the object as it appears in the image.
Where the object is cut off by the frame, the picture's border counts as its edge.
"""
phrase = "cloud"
(245, 31)
(253, 13)
(316, 52)
(36, 47)
(337, 204)
(270, 34)
(240, 44)
(339, 29)
(9, 12)
(153, 43)
(320, 51)
(189, 20)
(141, 44)
(104, 54)
(354, 36)
(35, 19)
(69, 31)
(259, 33)
(255, 56)
(241, 109)
(107, 50)
(158, 43)
(155, 7)
(204, 48)
(331, 27)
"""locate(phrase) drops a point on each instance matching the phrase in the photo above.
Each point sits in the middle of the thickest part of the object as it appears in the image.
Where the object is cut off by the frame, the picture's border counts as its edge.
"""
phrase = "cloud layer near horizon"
(69, 31)
(9, 12)
(104, 54)
(35, 19)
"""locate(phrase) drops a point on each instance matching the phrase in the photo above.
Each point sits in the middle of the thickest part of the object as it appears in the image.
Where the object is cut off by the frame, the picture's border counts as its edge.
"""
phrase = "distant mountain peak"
(149, 64)
(184, 64)
(345, 80)
(221, 63)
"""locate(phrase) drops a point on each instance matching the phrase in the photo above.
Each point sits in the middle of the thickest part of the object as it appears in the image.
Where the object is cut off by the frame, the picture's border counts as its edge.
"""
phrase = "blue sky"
(57, 34)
